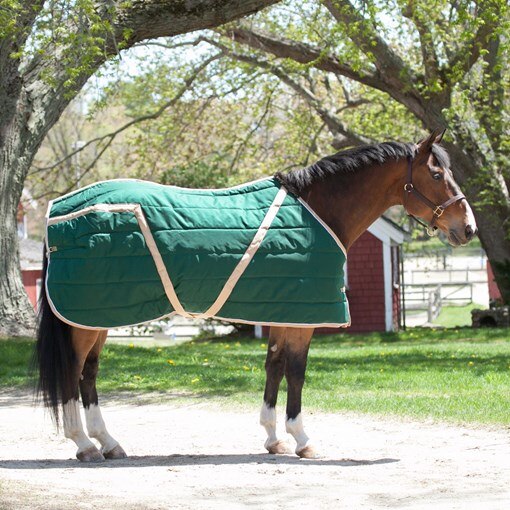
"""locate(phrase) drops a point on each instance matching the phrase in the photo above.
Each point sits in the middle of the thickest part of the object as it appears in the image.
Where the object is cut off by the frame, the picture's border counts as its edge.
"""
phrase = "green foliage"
(198, 174)
(380, 119)
(221, 132)
(10, 10)
(245, 125)
(70, 35)
(454, 375)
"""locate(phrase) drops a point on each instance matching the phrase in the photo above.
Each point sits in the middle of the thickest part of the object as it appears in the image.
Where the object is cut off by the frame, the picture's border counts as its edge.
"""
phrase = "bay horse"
(348, 191)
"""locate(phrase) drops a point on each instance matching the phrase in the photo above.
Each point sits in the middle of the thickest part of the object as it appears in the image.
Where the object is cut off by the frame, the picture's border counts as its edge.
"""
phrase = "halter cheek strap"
(437, 210)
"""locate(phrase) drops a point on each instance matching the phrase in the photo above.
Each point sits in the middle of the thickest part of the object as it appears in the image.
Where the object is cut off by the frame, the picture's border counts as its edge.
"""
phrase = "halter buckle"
(432, 231)
(438, 211)
(408, 186)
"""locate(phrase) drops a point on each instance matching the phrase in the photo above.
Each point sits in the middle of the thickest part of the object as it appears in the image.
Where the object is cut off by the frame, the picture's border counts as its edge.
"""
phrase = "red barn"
(494, 293)
(30, 253)
(373, 278)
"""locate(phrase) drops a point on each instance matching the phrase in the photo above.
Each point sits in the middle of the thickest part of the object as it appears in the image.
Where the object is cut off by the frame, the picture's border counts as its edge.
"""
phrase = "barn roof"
(388, 231)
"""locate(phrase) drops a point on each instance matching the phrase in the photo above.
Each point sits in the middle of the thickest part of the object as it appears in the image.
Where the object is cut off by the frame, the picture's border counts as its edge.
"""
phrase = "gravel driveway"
(197, 456)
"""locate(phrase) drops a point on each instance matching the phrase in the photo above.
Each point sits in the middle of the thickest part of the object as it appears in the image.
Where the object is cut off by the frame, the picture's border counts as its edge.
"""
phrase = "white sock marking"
(73, 428)
(295, 427)
(268, 421)
(97, 429)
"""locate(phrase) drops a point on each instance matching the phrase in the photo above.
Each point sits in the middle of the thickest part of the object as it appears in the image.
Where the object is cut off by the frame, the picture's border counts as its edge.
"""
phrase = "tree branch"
(467, 55)
(392, 68)
(109, 137)
(250, 133)
(303, 53)
(312, 147)
(150, 19)
(168, 46)
(428, 50)
(131, 22)
(335, 125)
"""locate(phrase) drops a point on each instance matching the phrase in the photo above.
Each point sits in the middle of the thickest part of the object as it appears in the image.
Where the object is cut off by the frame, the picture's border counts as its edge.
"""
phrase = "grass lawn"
(456, 316)
(458, 375)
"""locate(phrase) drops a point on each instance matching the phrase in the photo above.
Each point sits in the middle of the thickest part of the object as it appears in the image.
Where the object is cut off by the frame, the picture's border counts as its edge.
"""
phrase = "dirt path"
(196, 457)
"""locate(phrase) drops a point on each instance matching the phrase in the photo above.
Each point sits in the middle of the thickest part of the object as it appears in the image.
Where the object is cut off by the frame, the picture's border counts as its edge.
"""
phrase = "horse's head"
(432, 194)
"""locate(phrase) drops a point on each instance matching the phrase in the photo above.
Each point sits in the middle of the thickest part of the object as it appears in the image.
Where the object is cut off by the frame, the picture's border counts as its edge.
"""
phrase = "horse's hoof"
(308, 452)
(91, 454)
(278, 448)
(117, 452)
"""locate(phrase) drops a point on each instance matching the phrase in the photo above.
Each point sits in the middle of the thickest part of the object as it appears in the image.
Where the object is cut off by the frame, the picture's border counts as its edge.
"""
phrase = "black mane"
(352, 160)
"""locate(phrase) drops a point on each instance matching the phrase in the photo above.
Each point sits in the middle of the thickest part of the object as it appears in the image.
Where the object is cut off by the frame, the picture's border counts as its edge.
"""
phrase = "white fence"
(432, 297)
(450, 276)
(433, 281)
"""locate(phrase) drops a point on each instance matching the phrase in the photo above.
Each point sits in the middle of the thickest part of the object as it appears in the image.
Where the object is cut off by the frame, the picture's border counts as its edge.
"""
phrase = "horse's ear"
(439, 137)
(435, 136)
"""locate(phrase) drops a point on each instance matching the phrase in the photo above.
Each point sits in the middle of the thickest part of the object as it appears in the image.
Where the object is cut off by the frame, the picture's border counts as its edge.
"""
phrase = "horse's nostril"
(470, 232)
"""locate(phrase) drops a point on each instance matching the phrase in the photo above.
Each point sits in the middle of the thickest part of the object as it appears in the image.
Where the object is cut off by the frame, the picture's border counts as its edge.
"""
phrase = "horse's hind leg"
(296, 350)
(83, 340)
(275, 368)
(96, 428)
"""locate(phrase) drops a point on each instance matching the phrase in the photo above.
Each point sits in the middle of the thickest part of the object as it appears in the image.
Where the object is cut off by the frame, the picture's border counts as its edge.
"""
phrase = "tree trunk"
(16, 313)
(492, 220)
(30, 105)
(497, 248)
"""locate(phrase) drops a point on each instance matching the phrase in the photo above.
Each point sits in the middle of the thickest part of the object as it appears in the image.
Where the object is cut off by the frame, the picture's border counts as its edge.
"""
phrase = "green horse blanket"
(125, 251)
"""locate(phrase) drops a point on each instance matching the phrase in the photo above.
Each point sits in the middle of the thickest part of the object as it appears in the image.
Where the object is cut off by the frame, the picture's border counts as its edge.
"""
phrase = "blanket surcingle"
(125, 251)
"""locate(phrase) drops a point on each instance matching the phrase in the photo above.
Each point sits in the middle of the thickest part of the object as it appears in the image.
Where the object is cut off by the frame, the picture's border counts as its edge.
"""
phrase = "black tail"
(54, 355)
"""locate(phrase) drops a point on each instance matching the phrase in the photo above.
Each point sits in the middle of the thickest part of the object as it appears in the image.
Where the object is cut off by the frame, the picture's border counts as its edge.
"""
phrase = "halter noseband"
(437, 210)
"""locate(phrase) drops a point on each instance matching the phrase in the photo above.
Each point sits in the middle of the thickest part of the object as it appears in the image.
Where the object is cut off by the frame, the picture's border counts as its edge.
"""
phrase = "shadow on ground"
(190, 460)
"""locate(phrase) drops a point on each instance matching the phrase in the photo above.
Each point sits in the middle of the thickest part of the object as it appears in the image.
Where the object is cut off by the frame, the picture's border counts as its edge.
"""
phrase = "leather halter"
(437, 210)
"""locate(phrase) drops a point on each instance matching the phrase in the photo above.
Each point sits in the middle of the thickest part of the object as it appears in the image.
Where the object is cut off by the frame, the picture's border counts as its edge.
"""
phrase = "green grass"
(15, 356)
(456, 316)
(453, 375)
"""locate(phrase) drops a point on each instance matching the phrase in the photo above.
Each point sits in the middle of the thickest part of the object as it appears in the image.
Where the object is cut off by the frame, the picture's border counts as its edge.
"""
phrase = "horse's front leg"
(296, 349)
(275, 368)
(96, 427)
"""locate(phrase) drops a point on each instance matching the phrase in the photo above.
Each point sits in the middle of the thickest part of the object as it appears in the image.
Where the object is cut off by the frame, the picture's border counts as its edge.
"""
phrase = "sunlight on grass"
(460, 375)
(456, 316)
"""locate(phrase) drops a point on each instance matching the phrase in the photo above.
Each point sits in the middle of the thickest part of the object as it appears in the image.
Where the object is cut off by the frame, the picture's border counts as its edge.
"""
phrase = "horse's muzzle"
(455, 238)
(470, 232)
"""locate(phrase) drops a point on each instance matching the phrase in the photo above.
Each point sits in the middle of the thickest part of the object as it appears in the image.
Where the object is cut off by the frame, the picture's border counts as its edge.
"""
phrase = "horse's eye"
(437, 176)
